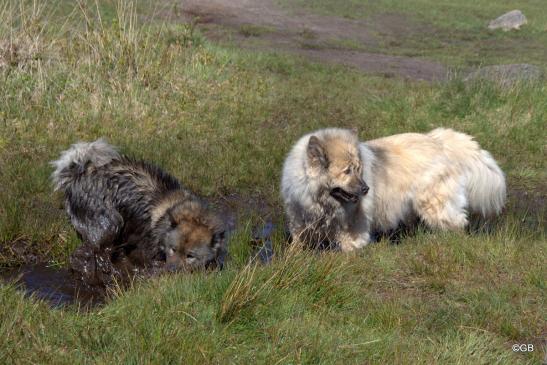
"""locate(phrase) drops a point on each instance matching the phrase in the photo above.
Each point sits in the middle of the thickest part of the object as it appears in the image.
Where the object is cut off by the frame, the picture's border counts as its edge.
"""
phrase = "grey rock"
(507, 75)
(511, 20)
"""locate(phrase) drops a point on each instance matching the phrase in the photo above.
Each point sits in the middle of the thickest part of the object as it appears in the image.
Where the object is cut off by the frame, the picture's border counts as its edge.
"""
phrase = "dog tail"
(73, 161)
(484, 180)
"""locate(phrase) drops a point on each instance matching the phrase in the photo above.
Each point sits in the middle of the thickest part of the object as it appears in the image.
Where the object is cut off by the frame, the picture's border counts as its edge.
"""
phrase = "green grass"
(435, 299)
(453, 32)
(460, 14)
(222, 119)
(251, 30)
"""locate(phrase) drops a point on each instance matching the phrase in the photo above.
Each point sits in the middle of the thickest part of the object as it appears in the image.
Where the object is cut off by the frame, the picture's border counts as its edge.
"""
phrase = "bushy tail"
(72, 161)
(485, 182)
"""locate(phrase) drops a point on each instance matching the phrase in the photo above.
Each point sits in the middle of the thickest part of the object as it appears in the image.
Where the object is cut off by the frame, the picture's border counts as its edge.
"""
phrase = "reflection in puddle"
(84, 284)
(55, 286)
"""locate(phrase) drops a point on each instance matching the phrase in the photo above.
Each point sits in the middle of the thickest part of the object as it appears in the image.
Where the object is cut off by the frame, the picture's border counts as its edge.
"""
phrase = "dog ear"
(316, 152)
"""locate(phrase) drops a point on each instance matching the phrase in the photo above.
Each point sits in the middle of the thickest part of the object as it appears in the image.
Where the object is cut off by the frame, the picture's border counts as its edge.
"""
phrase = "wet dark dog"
(132, 209)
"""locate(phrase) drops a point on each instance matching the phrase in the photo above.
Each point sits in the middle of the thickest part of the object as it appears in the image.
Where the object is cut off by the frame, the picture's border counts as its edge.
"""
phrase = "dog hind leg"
(99, 228)
(443, 204)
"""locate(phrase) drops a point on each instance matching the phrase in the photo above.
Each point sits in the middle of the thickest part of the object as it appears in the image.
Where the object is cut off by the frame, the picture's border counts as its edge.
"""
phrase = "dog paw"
(348, 244)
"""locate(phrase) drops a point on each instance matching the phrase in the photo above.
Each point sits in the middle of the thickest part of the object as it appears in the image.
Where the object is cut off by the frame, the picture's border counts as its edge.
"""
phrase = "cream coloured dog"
(337, 190)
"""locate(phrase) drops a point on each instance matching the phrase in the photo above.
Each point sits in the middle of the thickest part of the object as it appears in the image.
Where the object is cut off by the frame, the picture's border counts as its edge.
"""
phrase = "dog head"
(193, 237)
(334, 158)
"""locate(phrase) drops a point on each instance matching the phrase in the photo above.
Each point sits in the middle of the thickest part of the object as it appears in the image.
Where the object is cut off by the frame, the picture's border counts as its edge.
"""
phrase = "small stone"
(511, 20)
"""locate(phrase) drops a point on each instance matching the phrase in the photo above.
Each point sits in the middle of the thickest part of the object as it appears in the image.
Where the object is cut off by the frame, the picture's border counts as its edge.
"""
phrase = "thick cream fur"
(439, 177)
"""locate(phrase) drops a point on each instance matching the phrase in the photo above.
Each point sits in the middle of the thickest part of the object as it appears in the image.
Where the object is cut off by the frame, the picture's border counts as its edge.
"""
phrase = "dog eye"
(347, 171)
(189, 256)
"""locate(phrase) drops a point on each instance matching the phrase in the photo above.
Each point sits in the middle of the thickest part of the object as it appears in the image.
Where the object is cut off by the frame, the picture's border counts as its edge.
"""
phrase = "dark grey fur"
(109, 199)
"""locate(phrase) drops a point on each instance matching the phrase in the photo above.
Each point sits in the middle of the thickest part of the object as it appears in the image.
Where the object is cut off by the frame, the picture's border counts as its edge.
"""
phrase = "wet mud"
(261, 241)
(92, 272)
(530, 205)
(86, 282)
(107, 267)
(55, 286)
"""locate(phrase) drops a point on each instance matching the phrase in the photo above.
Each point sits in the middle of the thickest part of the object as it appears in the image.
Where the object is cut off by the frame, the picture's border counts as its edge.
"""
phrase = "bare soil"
(530, 205)
(262, 24)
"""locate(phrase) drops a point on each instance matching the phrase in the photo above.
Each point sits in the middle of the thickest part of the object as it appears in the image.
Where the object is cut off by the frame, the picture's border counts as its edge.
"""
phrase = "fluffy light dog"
(337, 190)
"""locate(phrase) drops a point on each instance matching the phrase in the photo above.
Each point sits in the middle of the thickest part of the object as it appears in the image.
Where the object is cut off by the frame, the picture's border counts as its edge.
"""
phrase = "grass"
(435, 299)
(460, 15)
(222, 119)
(251, 30)
(454, 32)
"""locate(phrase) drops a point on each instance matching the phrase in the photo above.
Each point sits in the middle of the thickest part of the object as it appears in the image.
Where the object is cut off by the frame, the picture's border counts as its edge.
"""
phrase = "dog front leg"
(356, 236)
(350, 242)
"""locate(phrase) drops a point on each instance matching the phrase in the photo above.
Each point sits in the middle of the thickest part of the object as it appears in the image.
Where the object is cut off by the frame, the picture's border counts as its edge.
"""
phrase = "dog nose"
(364, 189)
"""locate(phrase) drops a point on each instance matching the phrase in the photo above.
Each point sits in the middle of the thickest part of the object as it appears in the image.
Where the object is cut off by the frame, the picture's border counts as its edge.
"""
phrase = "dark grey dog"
(118, 202)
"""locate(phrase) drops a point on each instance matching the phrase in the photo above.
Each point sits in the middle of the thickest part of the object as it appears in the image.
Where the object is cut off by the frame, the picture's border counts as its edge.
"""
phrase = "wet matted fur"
(337, 190)
(122, 203)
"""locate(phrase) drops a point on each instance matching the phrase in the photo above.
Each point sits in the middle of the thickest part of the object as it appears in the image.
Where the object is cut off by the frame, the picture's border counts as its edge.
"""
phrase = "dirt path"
(262, 24)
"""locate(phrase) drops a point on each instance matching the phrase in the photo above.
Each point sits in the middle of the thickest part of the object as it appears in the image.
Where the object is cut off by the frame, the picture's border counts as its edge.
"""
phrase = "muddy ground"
(92, 275)
(264, 25)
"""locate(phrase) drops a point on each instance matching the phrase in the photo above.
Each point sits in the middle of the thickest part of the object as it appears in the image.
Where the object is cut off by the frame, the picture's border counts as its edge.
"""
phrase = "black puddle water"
(55, 286)
(63, 287)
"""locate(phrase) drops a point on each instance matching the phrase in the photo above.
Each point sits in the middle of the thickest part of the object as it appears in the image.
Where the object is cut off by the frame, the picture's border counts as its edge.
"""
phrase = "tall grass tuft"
(24, 43)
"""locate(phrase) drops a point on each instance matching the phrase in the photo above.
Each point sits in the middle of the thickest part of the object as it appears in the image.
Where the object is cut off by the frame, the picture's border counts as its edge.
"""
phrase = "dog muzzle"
(344, 196)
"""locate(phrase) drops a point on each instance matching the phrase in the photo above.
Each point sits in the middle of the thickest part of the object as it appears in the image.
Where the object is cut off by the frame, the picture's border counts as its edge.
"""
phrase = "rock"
(507, 75)
(511, 20)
